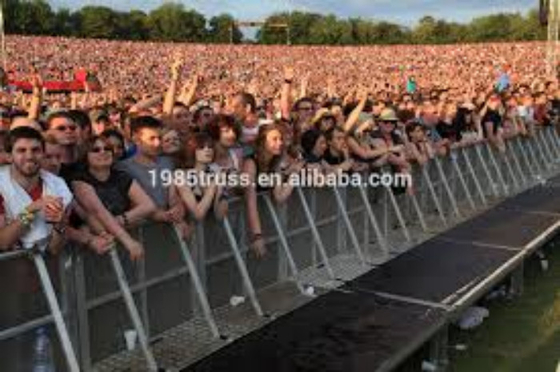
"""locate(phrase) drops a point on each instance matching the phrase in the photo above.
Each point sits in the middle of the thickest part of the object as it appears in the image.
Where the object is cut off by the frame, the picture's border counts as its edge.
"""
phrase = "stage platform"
(377, 320)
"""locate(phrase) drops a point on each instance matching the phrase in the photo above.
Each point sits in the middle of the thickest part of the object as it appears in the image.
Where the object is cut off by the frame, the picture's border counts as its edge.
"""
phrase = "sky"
(405, 12)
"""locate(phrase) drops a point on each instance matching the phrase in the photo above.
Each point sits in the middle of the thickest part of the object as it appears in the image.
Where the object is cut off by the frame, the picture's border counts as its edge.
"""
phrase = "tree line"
(174, 22)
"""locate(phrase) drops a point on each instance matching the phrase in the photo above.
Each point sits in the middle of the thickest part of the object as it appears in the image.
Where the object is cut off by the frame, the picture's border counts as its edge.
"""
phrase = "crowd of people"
(84, 167)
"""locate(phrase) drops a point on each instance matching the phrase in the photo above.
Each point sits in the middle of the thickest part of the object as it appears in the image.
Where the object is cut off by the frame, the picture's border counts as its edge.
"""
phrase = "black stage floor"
(433, 271)
(357, 328)
(338, 332)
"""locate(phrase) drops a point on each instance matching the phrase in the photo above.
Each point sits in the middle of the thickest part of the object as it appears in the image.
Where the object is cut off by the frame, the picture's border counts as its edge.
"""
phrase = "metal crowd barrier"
(186, 299)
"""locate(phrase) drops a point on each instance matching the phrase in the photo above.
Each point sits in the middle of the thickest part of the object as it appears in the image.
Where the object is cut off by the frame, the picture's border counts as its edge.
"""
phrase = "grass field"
(521, 335)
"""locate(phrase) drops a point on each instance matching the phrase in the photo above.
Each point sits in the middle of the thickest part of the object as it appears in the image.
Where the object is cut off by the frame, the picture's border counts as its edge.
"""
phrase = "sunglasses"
(97, 150)
(64, 128)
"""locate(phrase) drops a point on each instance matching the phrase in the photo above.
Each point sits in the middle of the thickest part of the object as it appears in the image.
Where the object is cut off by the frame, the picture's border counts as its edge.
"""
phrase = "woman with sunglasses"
(202, 192)
(112, 197)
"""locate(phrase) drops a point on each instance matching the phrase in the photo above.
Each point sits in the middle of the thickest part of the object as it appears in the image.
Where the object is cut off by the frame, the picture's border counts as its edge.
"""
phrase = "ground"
(521, 335)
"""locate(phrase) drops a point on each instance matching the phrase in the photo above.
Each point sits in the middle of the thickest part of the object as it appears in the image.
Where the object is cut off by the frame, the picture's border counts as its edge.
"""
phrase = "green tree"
(33, 17)
(98, 22)
(223, 30)
(171, 22)
(133, 25)
(66, 23)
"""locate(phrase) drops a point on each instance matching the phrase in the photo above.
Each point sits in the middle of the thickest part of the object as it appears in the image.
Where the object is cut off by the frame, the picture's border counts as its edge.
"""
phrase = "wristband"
(26, 218)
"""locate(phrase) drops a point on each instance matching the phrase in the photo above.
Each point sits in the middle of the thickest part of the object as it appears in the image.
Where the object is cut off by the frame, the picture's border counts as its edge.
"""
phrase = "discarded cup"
(236, 300)
(130, 337)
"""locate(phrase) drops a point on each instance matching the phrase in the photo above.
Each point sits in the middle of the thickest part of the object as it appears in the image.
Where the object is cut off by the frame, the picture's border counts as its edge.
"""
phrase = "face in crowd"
(100, 154)
(52, 158)
(338, 141)
(64, 131)
(26, 156)
(148, 141)
(171, 143)
(274, 142)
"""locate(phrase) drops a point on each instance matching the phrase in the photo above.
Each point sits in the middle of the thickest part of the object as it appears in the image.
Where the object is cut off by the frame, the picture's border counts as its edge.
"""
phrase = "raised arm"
(286, 93)
(170, 96)
(355, 114)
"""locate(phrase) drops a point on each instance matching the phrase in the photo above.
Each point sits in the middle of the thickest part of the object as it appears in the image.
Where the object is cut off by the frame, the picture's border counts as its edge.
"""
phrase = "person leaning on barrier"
(265, 161)
(337, 155)
(112, 197)
(34, 203)
(388, 136)
(493, 122)
(202, 194)
(225, 133)
(418, 147)
(154, 173)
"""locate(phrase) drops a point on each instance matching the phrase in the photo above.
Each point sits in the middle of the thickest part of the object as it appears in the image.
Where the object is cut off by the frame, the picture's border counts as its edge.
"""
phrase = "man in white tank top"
(33, 202)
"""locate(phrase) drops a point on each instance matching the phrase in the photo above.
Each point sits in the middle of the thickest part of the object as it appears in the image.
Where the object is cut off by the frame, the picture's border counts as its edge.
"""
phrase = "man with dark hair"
(82, 120)
(243, 107)
(148, 167)
(33, 203)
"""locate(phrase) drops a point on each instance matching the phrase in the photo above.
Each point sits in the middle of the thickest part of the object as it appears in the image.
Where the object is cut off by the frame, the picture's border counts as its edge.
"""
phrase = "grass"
(521, 335)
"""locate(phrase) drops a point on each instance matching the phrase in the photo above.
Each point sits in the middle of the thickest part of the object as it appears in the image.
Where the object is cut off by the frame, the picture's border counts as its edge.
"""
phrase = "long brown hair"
(260, 149)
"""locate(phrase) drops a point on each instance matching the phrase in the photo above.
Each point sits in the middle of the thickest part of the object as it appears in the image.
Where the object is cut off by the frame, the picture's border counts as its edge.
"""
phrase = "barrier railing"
(186, 299)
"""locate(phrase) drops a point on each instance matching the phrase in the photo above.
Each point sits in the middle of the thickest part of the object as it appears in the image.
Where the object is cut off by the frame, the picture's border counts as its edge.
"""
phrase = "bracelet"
(26, 218)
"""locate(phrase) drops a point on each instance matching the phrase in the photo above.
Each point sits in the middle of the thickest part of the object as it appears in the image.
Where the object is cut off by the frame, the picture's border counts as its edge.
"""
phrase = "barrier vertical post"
(418, 211)
(315, 232)
(539, 151)
(373, 221)
(462, 181)
(511, 151)
(434, 195)
(398, 214)
(54, 307)
(446, 187)
(553, 144)
(556, 138)
(474, 176)
(533, 156)
(349, 227)
(522, 149)
(501, 178)
(193, 272)
(144, 293)
(505, 159)
(491, 181)
(549, 158)
(284, 243)
(242, 268)
(82, 310)
(132, 310)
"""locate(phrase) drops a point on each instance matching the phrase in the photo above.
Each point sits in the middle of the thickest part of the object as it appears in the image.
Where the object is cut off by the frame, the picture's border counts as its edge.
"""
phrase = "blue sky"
(401, 11)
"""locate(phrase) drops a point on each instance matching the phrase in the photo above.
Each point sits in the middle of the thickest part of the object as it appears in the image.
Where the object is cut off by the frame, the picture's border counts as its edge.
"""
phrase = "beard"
(28, 169)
